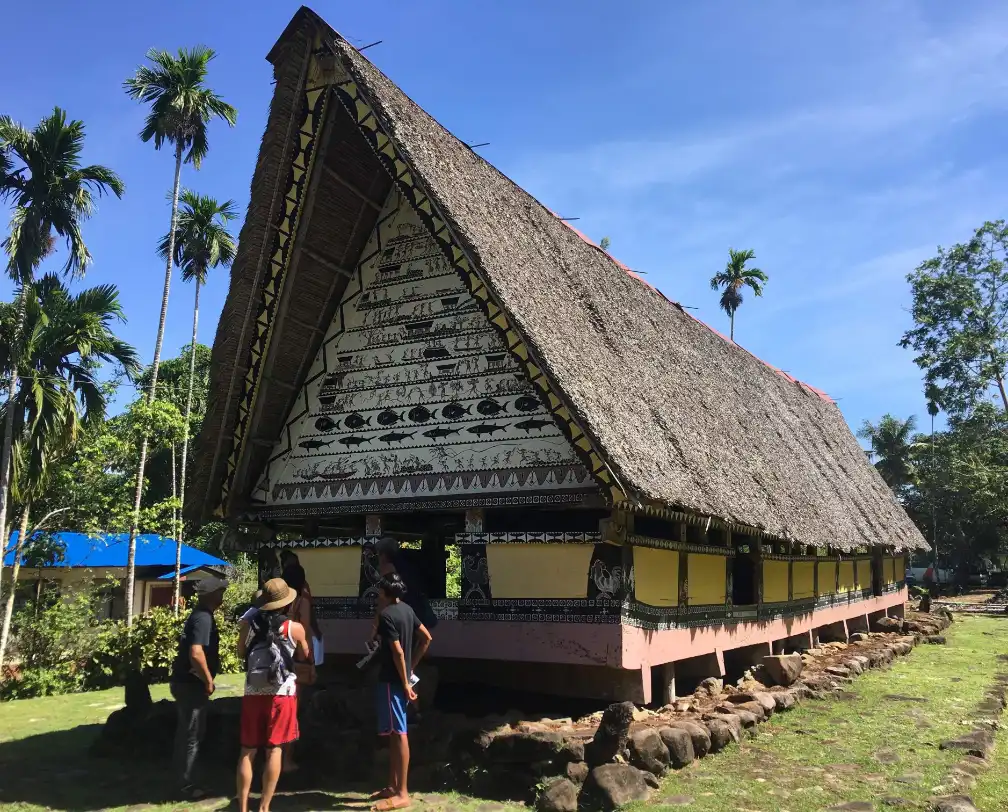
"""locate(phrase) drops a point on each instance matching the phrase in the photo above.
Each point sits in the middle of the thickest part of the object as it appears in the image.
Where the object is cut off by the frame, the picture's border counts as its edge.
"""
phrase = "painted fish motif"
(532, 425)
(438, 433)
(485, 428)
(527, 403)
(326, 424)
(311, 445)
(356, 421)
(389, 418)
(396, 436)
(421, 414)
(354, 440)
(453, 411)
(490, 407)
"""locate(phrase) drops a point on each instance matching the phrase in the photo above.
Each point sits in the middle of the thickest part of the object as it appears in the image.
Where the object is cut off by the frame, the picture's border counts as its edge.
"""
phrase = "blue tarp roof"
(110, 549)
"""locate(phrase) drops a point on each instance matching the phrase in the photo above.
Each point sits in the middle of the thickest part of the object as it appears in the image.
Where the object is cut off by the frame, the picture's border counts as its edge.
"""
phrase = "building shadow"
(54, 770)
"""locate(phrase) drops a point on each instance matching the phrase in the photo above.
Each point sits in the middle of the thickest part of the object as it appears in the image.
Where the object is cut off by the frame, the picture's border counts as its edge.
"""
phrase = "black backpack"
(268, 662)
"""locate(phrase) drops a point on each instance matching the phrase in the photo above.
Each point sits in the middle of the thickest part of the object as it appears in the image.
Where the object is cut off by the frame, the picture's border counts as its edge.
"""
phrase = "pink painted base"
(612, 645)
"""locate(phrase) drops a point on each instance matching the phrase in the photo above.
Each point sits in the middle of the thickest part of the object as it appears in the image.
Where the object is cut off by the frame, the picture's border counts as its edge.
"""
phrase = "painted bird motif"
(477, 574)
(312, 445)
(608, 582)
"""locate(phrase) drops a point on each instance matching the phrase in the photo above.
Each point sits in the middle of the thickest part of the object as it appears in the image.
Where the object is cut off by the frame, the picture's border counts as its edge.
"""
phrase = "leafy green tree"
(604, 243)
(960, 313)
(181, 107)
(203, 242)
(733, 279)
(64, 338)
(963, 487)
(52, 195)
(892, 446)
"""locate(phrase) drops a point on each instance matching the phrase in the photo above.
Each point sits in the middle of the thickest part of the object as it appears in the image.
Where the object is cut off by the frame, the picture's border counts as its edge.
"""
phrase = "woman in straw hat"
(271, 645)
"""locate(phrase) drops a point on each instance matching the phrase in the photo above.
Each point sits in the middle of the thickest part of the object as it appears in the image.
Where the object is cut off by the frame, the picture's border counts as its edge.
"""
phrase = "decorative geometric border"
(362, 112)
(340, 541)
(463, 502)
(528, 538)
(666, 544)
(314, 107)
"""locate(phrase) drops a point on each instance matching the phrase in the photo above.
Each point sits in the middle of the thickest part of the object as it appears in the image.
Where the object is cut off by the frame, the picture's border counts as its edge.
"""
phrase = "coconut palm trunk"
(138, 494)
(185, 441)
(15, 569)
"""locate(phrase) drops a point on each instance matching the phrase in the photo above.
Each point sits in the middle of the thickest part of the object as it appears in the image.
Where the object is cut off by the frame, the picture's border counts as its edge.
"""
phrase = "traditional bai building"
(412, 345)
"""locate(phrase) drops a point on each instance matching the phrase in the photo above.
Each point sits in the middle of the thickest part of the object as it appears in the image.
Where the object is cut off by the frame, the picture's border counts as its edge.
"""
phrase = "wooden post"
(728, 573)
(790, 573)
(758, 547)
(683, 571)
(474, 520)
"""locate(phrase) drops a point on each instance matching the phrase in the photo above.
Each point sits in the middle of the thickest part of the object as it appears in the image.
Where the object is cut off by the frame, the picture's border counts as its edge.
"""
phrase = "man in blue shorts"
(397, 658)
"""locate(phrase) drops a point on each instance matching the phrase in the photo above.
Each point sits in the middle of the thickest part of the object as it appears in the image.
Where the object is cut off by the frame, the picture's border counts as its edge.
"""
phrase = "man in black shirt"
(192, 679)
(396, 660)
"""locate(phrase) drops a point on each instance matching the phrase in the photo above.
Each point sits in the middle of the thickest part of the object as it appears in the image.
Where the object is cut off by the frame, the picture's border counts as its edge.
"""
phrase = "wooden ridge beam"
(326, 263)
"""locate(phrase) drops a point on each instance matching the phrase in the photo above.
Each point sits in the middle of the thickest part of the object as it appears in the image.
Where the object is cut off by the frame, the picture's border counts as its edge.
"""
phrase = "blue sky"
(842, 142)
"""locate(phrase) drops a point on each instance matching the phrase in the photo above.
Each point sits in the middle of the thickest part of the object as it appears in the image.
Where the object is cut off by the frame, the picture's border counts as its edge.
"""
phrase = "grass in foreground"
(879, 745)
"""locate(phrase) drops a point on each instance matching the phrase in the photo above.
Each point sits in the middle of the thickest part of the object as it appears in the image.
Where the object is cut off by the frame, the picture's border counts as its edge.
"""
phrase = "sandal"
(381, 794)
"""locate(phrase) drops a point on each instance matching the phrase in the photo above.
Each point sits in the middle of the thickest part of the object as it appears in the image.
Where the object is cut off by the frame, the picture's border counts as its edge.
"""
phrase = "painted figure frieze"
(414, 394)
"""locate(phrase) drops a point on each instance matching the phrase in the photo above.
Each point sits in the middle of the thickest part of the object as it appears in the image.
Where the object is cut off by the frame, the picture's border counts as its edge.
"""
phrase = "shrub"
(66, 648)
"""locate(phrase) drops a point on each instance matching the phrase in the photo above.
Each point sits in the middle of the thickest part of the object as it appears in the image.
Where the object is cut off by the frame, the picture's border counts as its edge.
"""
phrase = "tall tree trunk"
(8, 436)
(731, 328)
(185, 438)
(1004, 394)
(177, 579)
(138, 494)
(9, 606)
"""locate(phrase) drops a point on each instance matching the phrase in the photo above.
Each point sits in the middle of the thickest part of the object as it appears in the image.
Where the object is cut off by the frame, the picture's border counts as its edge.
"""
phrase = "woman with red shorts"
(270, 644)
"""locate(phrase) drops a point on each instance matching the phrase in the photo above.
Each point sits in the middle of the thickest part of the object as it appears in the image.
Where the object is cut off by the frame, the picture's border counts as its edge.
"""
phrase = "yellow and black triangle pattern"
(361, 110)
(313, 111)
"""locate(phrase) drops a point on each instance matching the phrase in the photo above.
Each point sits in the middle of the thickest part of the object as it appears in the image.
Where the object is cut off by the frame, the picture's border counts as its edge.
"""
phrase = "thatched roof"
(680, 416)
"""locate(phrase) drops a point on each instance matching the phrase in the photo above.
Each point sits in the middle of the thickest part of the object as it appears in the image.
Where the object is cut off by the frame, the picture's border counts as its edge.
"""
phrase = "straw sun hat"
(276, 595)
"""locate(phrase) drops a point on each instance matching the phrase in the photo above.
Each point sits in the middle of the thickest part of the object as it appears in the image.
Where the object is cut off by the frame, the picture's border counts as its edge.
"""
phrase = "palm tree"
(892, 446)
(180, 109)
(52, 194)
(65, 339)
(202, 242)
(733, 278)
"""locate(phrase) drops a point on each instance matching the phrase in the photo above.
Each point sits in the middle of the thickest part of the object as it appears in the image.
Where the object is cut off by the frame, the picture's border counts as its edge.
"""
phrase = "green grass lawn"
(878, 744)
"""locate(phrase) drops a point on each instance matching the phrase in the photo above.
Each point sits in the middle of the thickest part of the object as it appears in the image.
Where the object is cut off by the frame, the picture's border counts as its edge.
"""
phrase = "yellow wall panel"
(827, 577)
(332, 572)
(803, 577)
(775, 581)
(888, 570)
(539, 570)
(862, 577)
(656, 576)
(900, 568)
(706, 575)
(846, 576)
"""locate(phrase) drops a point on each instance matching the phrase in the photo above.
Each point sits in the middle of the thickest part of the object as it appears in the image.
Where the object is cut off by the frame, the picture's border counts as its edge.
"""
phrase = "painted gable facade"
(414, 397)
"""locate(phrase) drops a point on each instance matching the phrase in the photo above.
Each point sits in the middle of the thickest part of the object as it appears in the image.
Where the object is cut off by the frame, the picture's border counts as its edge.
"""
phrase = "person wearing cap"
(192, 680)
(269, 713)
